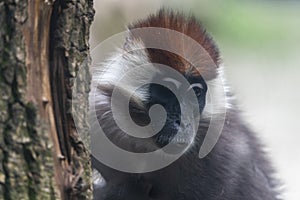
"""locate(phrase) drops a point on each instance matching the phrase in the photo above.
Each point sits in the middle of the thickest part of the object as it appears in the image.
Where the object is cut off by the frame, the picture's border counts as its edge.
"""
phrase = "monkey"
(237, 167)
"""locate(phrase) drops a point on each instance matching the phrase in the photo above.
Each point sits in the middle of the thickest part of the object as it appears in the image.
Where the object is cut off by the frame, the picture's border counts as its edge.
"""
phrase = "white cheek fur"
(111, 71)
(218, 98)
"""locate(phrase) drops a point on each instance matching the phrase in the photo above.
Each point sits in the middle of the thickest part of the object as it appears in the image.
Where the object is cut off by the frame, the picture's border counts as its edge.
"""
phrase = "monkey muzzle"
(178, 139)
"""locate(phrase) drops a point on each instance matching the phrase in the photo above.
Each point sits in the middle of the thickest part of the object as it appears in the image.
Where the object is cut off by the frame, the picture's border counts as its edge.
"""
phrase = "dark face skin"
(161, 95)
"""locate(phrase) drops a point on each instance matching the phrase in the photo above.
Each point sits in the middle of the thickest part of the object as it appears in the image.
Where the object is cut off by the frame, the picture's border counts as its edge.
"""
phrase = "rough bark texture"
(42, 46)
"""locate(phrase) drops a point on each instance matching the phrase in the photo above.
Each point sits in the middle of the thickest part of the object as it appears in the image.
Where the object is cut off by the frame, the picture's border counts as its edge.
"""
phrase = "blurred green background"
(260, 46)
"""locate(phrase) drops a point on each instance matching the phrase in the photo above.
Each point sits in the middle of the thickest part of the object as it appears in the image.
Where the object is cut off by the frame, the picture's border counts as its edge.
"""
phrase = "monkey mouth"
(169, 139)
(172, 145)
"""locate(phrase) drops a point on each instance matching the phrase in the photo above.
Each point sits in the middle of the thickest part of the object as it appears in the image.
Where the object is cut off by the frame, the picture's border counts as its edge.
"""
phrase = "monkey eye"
(137, 106)
(197, 87)
(139, 112)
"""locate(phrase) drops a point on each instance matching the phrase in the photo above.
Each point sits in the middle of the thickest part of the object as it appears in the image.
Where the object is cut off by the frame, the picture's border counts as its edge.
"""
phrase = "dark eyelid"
(198, 85)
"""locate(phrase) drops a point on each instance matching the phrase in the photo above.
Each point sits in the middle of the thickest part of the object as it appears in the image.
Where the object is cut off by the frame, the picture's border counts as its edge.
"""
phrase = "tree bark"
(42, 46)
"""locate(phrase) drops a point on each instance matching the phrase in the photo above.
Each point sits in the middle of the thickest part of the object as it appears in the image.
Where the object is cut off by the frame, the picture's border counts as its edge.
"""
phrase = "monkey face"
(178, 130)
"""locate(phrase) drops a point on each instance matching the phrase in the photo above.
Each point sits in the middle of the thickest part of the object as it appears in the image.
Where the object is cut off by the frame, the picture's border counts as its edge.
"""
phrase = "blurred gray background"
(259, 41)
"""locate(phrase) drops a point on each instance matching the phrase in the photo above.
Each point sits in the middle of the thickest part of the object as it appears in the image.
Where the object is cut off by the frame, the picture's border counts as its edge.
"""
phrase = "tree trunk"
(42, 46)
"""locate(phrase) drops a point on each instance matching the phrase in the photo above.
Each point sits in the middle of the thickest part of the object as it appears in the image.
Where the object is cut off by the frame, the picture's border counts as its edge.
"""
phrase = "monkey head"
(164, 40)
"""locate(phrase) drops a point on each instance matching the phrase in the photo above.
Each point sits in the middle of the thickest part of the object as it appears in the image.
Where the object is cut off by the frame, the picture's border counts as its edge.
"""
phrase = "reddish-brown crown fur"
(186, 25)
